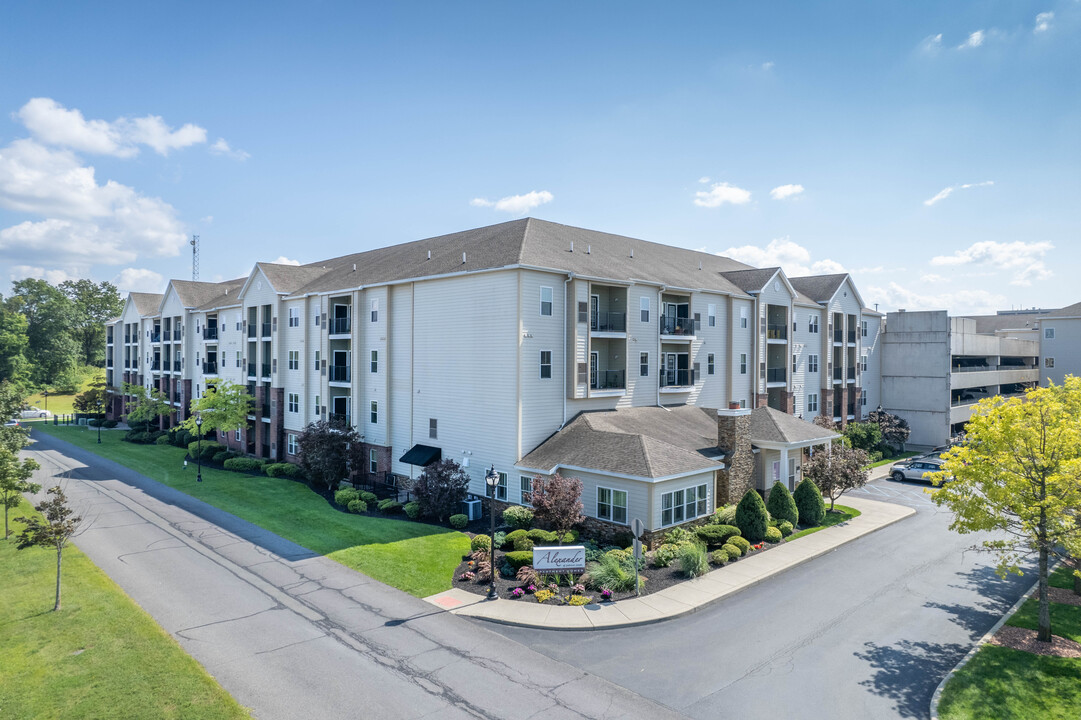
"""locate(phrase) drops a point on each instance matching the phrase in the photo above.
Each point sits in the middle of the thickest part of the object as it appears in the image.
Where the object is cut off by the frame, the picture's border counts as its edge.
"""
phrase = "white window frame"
(294, 317)
(609, 508)
(1049, 333)
(743, 318)
(433, 429)
(547, 306)
(236, 435)
(1049, 362)
(643, 364)
(812, 324)
(743, 363)
(863, 363)
(690, 499)
(525, 489)
(863, 328)
(291, 444)
(317, 405)
(501, 487)
(294, 359)
(293, 402)
(373, 462)
(711, 315)
(643, 309)
(545, 367)
(812, 402)
(373, 363)
(373, 412)
(710, 363)
(863, 400)
(812, 362)
(375, 310)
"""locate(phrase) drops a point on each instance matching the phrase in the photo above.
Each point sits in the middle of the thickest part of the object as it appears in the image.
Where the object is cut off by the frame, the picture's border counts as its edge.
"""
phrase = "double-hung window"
(291, 445)
(373, 462)
(863, 328)
(643, 364)
(501, 488)
(643, 306)
(612, 505)
(294, 317)
(525, 486)
(743, 363)
(1049, 333)
(709, 364)
(863, 363)
(294, 402)
(545, 364)
(812, 402)
(546, 301)
(682, 505)
(375, 361)
(743, 318)
(812, 363)
(373, 415)
(711, 315)
(375, 311)
(812, 324)
(294, 359)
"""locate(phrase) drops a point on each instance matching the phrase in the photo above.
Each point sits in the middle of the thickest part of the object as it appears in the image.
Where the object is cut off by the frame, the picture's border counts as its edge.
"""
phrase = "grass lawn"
(896, 458)
(1004, 683)
(831, 519)
(61, 404)
(415, 557)
(100, 656)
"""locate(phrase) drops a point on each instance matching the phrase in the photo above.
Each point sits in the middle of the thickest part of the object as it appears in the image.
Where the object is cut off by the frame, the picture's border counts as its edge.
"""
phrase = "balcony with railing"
(838, 375)
(251, 369)
(155, 365)
(210, 332)
(210, 367)
(677, 326)
(608, 322)
(155, 337)
(838, 336)
(339, 373)
(339, 419)
(776, 332)
(266, 369)
(677, 379)
(340, 325)
(109, 361)
(608, 380)
(266, 329)
(777, 375)
(851, 337)
(264, 408)
(109, 337)
(252, 330)
(176, 366)
(851, 411)
(850, 374)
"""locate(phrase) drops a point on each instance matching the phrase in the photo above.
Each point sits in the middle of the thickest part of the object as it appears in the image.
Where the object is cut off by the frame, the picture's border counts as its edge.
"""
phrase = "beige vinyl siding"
(399, 382)
(713, 390)
(293, 381)
(742, 342)
(637, 493)
(662, 488)
(541, 398)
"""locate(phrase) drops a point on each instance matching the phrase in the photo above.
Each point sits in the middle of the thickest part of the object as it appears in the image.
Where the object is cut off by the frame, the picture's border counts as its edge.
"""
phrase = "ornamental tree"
(781, 506)
(894, 429)
(328, 452)
(223, 407)
(557, 501)
(14, 481)
(863, 435)
(148, 404)
(441, 488)
(837, 471)
(13, 439)
(1018, 473)
(53, 528)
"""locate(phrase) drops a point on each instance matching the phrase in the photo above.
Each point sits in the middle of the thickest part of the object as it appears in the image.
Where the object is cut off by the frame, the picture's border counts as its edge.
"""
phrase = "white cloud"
(792, 257)
(704, 179)
(110, 223)
(138, 280)
(516, 204)
(53, 276)
(207, 220)
(53, 124)
(1043, 22)
(931, 44)
(784, 192)
(1024, 259)
(721, 193)
(282, 260)
(768, 65)
(974, 41)
(220, 147)
(946, 192)
(958, 302)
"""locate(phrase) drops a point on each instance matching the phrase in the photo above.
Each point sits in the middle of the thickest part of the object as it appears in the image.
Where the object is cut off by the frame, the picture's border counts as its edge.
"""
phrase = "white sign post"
(560, 559)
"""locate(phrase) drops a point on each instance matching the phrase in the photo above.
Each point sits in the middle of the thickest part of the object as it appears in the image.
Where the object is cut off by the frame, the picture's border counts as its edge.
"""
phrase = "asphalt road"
(867, 631)
(294, 635)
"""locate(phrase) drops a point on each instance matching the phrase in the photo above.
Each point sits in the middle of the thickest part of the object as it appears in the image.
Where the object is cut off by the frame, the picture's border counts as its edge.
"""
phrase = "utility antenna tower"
(194, 242)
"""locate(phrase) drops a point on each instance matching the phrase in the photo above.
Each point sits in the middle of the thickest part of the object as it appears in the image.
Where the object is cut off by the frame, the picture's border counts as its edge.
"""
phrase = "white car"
(33, 412)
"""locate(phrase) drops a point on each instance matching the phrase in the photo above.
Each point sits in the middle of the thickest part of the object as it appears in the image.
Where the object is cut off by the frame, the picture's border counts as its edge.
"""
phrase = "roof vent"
(589, 249)
(463, 258)
(354, 267)
(429, 254)
(572, 246)
(699, 264)
(632, 252)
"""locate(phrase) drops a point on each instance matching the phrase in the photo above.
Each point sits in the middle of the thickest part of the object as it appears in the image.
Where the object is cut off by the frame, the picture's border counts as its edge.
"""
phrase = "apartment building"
(667, 379)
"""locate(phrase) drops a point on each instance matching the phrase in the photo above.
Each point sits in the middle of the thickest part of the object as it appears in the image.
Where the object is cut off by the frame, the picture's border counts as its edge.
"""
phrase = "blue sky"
(930, 149)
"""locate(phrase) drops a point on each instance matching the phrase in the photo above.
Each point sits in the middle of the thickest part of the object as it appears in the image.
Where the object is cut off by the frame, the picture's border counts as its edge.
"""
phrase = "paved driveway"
(293, 635)
(866, 631)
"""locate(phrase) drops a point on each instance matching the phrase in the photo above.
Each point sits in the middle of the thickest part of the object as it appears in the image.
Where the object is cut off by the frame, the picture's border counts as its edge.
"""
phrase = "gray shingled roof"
(1068, 311)
(751, 280)
(146, 303)
(529, 242)
(774, 426)
(228, 295)
(193, 293)
(290, 278)
(649, 442)
(819, 288)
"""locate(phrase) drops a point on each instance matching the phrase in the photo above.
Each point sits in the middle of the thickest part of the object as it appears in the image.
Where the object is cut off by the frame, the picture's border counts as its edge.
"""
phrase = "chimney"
(734, 440)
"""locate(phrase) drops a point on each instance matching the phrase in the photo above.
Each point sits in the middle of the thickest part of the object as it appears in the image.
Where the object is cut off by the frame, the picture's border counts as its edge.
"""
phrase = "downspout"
(660, 354)
(756, 343)
(566, 310)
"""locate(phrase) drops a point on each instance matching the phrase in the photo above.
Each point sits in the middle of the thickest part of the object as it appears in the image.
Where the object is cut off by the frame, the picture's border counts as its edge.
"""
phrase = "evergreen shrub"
(781, 506)
(809, 503)
(752, 519)
(459, 521)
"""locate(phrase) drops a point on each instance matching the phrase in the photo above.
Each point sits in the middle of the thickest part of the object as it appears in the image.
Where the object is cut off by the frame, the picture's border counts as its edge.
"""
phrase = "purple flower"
(606, 594)
(517, 592)
(532, 588)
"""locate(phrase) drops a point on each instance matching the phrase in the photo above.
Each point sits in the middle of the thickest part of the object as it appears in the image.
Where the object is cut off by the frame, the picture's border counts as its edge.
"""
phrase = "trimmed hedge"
(732, 551)
(522, 543)
(345, 496)
(109, 424)
(459, 521)
(286, 470)
(163, 440)
(510, 537)
(412, 510)
(718, 556)
(480, 542)
(742, 543)
(751, 517)
(786, 528)
(541, 537)
(809, 503)
(357, 506)
(369, 497)
(518, 559)
(244, 464)
(716, 535)
(518, 516)
(389, 505)
(224, 455)
(781, 506)
(773, 535)
(139, 436)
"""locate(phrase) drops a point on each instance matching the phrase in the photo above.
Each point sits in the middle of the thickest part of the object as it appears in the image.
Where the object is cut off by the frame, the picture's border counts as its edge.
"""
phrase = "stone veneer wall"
(733, 437)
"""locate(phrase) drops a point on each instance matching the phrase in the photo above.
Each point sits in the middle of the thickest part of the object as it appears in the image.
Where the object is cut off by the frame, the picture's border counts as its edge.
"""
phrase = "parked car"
(12, 423)
(915, 468)
(33, 412)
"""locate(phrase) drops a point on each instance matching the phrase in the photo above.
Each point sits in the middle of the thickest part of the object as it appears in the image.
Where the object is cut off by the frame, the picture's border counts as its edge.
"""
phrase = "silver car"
(915, 469)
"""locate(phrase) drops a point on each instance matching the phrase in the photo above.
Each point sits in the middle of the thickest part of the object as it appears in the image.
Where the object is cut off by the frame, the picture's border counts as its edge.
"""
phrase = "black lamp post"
(491, 478)
(99, 422)
(199, 452)
(45, 394)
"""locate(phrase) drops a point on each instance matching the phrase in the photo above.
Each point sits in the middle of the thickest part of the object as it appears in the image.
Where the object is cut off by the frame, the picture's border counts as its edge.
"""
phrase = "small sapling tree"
(53, 528)
(557, 501)
(14, 481)
(441, 488)
(837, 472)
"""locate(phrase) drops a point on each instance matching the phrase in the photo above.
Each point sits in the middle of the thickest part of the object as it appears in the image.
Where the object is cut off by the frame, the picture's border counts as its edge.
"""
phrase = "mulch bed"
(1062, 596)
(1024, 639)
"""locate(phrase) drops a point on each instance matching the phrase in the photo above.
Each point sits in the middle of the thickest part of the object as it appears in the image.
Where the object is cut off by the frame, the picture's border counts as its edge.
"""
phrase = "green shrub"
(181, 438)
(693, 560)
(244, 464)
(622, 556)
(412, 510)
(221, 457)
(389, 505)
(612, 573)
(480, 542)
(718, 557)
(724, 515)
(665, 554)
(518, 559)
(110, 424)
(518, 516)
(509, 538)
(732, 551)
(809, 503)
(357, 506)
(459, 521)
(751, 517)
(874, 456)
(163, 440)
(781, 506)
(369, 497)
(522, 543)
(569, 537)
(773, 535)
(786, 528)
(499, 539)
(285, 470)
(678, 535)
(345, 496)
(138, 436)
(716, 535)
(542, 537)
(742, 543)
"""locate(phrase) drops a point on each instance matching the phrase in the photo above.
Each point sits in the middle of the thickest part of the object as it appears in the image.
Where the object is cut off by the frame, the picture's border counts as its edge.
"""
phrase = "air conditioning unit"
(473, 509)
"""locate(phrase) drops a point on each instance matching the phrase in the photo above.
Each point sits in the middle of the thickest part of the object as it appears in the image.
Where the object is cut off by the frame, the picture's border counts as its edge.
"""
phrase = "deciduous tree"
(894, 429)
(92, 304)
(441, 488)
(224, 406)
(837, 471)
(147, 405)
(11, 401)
(14, 481)
(557, 501)
(327, 453)
(1018, 473)
(53, 528)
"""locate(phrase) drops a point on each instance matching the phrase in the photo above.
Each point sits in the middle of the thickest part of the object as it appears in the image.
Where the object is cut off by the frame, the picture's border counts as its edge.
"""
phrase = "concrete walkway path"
(294, 635)
(683, 598)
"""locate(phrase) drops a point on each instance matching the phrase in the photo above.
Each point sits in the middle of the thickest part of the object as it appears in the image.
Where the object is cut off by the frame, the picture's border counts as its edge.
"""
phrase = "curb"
(937, 696)
(692, 609)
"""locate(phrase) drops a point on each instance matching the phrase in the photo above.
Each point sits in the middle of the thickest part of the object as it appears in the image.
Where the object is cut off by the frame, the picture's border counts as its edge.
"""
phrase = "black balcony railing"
(852, 410)
(837, 374)
(264, 409)
(339, 373)
(838, 336)
(851, 373)
(210, 367)
(339, 325)
(266, 369)
(609, 380)
(176, 334)
(176, 396)
(676, 325)
(777, 332)
(127, 339)
(109, 339)
(155, 336)
(109, 362)
(677, 378)
(251, 330)
(340, 419)
(176, 366)
(776, 374)
(851, 339)
(266, 329)
(251, 369)
(608, 322)
(109, 378)
(156, 365)
(210, 333)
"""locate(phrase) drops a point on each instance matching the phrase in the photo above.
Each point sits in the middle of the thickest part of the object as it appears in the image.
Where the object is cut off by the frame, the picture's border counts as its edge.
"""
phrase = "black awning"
(422, 455)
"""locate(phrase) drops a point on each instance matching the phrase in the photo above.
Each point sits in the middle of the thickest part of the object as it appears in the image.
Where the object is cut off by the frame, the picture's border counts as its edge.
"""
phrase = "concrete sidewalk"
(686, 597)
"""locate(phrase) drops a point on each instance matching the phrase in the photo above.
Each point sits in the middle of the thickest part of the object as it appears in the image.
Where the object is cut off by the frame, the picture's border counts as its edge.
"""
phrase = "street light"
(45, 394)
(199, 452)
(492, 479)
(99, 422)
